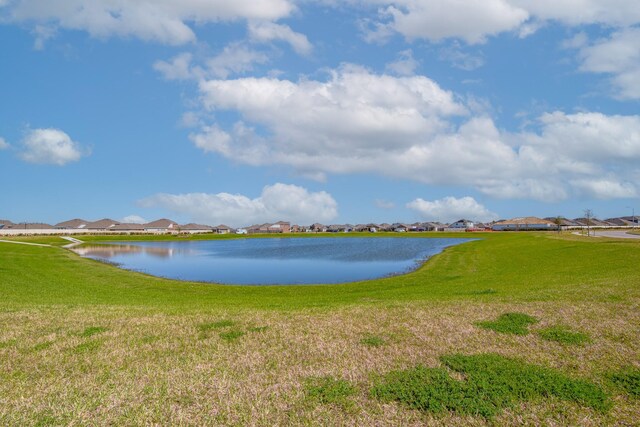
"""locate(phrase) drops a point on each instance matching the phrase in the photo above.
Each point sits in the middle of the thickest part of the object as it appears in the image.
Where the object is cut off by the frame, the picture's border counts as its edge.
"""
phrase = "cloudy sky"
(332, 111)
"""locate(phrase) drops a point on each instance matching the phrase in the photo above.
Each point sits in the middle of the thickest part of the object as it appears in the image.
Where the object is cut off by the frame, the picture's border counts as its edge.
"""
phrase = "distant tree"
(588, 215)
(558, 222)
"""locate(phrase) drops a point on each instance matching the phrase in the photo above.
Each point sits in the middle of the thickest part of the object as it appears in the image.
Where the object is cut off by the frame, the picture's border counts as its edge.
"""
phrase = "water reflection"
(112, 251)
(273, 260)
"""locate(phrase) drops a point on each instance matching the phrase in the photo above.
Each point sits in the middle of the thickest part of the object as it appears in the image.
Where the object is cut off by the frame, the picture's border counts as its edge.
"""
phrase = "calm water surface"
(271, 261)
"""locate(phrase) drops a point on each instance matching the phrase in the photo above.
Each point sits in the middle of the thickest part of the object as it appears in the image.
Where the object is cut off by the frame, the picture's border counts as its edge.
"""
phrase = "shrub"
(328, 390)
(564, 335)
(491, 383)
(510, 323)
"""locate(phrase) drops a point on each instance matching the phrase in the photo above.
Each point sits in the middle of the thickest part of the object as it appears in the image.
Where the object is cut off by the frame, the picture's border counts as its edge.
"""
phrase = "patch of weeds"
(258, 328)
(628, 380)
(46, 419)
(564, 335)
(8, 343)
(510, 323)
(93, 330)
(87, 347)
(231, 335)
(148, 339)
(483, 292)
(205, 328)
(43, 345)
(372, 341)
(328, 390)
(491, 383)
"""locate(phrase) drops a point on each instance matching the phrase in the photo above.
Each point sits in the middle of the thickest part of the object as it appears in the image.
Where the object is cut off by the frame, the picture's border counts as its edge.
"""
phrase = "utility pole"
(633, 216)
(588, 214)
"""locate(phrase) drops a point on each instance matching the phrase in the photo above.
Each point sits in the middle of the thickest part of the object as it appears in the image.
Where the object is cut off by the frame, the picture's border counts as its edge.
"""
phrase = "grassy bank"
(85, 342)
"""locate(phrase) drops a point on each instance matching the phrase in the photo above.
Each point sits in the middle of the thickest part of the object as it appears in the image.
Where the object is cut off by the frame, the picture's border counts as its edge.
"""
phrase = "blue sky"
(354, 111)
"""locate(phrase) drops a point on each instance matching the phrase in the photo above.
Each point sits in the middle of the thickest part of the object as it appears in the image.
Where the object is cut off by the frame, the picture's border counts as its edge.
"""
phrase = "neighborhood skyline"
(337, 112)
(164, 224)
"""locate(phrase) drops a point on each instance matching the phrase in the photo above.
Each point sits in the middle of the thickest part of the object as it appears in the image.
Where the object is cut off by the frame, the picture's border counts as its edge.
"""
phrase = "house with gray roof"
(161, 226)
(528, 223)
(101, 225)
(127, 228)
(222, 229)
(72, 224)
(192, 228)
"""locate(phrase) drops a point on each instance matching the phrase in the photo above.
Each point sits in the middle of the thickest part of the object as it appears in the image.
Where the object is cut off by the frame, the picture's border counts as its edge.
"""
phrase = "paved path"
(616, 234)
(71, 239)
(25, 243)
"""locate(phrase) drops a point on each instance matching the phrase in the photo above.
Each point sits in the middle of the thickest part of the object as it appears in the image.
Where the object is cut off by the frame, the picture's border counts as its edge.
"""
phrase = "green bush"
(510, 323)
(564, 335)
(328, 390)
(629, 380)
(491, 383)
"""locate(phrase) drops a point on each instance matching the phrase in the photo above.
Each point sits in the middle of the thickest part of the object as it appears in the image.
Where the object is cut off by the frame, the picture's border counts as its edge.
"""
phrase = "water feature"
(271, 261)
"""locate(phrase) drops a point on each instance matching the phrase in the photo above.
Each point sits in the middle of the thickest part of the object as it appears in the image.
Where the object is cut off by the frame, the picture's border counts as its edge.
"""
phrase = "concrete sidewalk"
(25, 243)
(616, 234)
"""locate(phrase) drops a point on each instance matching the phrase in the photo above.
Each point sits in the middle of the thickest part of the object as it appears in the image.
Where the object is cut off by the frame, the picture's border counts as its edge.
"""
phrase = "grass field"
(82, 342)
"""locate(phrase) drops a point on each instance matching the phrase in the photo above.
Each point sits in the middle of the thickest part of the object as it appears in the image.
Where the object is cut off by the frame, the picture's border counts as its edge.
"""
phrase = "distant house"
(399, 228)
(462, 224)
(267, 228)
(101, 225)
(256, 228)
(73, 224)
(415, 227)
(5, 223)
(430, 226)
(565, 224)
(30, 226)
(625, 221)
(619, 222)
(318, 228)
(524, 224)
(372, 228)
(438, 226)
(592, 222)
(222, 229)
(280, 227)
(127, 228)
(192, 228)
(161, 226)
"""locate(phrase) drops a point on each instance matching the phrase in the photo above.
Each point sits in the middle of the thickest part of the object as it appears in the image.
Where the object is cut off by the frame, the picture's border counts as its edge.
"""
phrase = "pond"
(270, 261)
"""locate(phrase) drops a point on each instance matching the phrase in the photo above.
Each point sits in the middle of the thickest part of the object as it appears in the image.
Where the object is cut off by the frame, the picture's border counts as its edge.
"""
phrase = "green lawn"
(85, 342)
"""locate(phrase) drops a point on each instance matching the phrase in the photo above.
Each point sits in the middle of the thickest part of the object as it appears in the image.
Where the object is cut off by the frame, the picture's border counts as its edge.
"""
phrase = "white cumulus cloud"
(450, 209)
(164, 21)
(617, 56)
(3, 144)
(235, 58)
(277, 202)
(269, 31)
(578, 12)
(384, 204)
(411, 128)
(405, 65)
(177, 68)
(50, 146)
(475, 20)
(470, 20)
